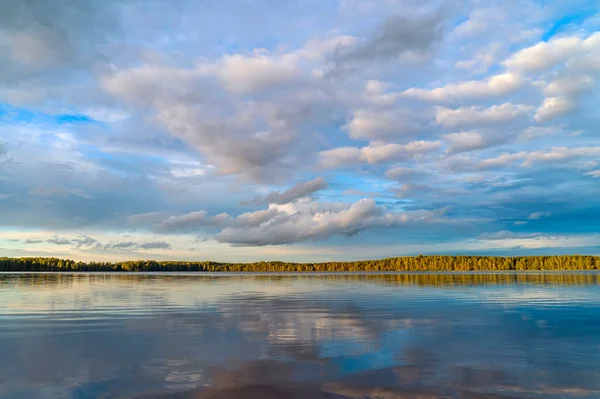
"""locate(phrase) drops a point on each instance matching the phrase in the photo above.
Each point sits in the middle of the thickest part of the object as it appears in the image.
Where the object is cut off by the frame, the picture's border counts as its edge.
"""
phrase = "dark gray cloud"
(121, 245)
(32, 241)
(155, 245)
(298, 191)
(85, 241)
(397, 35)
(57, 240)
(63, 20)
(47, 43)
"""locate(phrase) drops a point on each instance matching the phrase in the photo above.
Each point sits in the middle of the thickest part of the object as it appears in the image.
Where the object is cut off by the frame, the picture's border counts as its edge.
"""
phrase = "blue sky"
(299, 130)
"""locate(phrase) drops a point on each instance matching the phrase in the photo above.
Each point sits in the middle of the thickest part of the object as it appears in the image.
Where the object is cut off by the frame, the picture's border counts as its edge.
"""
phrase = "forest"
(397, 264)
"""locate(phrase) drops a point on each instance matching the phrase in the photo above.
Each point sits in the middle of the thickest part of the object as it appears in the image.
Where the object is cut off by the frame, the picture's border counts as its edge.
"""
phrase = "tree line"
(398, 264)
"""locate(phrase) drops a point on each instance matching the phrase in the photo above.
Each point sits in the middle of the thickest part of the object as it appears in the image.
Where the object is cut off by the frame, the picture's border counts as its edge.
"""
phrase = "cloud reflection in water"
(379, 336)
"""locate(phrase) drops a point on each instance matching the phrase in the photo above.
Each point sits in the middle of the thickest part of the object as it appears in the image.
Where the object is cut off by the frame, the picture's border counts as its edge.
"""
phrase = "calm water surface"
(318, 336)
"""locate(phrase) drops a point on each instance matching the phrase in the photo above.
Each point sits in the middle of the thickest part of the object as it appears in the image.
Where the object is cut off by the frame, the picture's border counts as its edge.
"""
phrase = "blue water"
(447, 336)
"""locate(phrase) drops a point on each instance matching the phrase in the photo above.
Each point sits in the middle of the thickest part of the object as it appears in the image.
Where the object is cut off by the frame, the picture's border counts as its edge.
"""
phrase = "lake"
(480, 335)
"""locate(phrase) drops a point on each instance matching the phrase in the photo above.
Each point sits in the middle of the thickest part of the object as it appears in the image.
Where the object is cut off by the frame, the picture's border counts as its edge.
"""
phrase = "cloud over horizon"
(303, 130)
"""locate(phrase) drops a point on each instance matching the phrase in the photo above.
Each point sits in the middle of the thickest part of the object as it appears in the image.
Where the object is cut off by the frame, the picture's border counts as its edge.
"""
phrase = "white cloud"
(375, 93)
(248, 114)
(538, 215)
(568, 86)
(366, 124)
(472, 140)
(257, 71)
(473, 116)
(310, 220)
(545, 55)
(529, 158)
(562, 95)
(348, 156)
(594, 173)
(553, 107)
(497, 85)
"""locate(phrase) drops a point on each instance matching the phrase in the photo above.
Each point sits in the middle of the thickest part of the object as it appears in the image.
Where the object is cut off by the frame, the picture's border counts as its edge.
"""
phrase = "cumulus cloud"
(351, 156)
(369, 124)
(563, 96)
(310, 220)
(544, 55)
(473, 116)
(256, 218)
(57, 240)
(294, 193)
(375, 93)
(493, 86)
(85, 241)
(568, 86)
(483, 59)
(257, 71)
(259, 139)
(553, 107)
(472, 140)
(401, 173)
(299, 220)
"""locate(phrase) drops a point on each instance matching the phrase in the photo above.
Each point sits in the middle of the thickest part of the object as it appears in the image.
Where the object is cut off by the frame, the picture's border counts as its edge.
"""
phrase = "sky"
(298, 130)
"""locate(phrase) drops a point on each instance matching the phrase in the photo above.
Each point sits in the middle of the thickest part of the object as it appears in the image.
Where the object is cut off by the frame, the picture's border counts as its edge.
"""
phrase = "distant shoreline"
(421, 263)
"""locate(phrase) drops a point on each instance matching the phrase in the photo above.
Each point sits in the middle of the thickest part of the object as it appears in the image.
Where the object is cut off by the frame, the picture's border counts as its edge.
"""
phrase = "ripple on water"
(452, 335)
